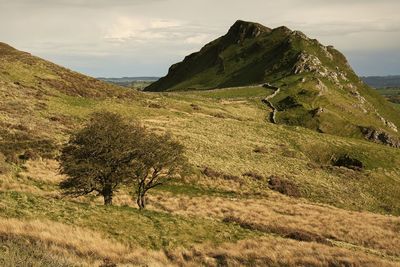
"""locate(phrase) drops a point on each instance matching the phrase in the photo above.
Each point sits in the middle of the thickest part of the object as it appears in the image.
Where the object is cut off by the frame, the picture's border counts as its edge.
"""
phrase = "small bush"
(154, 105)
(295, 234)
(13, 158)
(283, 186)
(29, 155)
(347, 162)
(211, 172)
(301, 235)
(207, 171)
(4, 168)
(230, 177)
(195, 107)
(260, 149)
(108, 263)
(220, 115)
(254, 175)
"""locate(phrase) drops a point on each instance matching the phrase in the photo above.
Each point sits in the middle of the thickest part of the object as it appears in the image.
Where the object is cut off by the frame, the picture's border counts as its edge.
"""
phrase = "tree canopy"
(160, 159)
(98, 158)
(109, 152)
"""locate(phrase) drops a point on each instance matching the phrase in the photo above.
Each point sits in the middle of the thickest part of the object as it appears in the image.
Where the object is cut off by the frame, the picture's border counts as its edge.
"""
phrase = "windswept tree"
(159, 160)
(99, 157)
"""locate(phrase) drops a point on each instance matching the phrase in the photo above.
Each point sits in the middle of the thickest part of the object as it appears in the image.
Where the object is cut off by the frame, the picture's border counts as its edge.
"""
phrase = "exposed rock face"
(381, 137)
(307, 63)
(310, 63)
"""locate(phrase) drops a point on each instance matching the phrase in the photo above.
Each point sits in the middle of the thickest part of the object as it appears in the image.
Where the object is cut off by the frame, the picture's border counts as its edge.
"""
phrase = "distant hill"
(382, 81)
(133, 82)
(317, 87)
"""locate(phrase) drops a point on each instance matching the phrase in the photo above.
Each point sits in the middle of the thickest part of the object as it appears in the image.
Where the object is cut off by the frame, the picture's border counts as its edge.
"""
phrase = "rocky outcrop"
(310, 63)
(307, 63)
(379, 136)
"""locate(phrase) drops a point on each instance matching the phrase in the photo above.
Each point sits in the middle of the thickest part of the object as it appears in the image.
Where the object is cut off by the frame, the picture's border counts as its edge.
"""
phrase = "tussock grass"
(147, 229)
(283, 216)
(274, 252)
(67, 245)
(73, 241)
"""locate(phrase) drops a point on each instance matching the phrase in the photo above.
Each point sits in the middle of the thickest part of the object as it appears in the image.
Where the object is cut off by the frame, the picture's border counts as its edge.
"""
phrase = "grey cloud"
(77, 3)
(143, 37)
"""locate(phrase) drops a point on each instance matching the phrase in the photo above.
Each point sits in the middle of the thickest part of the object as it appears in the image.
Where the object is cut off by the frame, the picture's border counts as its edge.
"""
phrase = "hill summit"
(318, 89)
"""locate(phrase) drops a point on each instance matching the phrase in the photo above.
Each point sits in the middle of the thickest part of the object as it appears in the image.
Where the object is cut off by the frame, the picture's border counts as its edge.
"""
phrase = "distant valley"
(132, 82)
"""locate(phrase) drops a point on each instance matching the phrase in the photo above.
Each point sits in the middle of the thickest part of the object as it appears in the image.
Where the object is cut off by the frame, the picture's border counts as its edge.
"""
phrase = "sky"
(117, 38)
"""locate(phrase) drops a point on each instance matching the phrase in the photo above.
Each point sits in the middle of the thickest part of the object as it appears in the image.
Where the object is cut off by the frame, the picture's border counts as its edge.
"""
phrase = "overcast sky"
(116, 38)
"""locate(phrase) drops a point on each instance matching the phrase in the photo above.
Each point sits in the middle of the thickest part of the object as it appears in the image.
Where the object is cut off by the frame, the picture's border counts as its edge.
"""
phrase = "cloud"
(141, 29)
(94, 4)
(104, 37)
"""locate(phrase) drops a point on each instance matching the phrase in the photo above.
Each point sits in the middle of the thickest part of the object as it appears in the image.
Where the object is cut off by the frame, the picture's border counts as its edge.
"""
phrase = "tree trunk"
(141, 201)
(108, 194)
(108, 200)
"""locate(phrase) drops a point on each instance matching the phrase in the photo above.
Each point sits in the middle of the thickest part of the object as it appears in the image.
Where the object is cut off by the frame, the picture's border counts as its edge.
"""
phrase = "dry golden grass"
(39, 177)
(80, 244)
(43, 170)
(270, 213)
(271, 251)
(88, 248)
(9, 183)
(282, 215)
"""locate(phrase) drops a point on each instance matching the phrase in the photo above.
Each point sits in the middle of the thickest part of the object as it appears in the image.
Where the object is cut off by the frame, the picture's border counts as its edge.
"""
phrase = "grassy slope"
(220, 129)
(244, 63)
(190, 219)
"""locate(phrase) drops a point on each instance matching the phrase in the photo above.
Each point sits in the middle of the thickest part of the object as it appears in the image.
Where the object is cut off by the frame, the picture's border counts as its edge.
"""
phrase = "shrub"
(254, 175)
(283, 186)
(4, 168)
(209, 172)
(260, 149)
(230, 177)
(154, 105)
(301, 235)
(286, 232)
(108, 263)
(219, 115)
(29, 155)
(347, 162)
(195, 107)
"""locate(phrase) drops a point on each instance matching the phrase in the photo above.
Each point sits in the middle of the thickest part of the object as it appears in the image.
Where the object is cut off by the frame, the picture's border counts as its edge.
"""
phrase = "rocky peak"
(283, 29)
(242, 30)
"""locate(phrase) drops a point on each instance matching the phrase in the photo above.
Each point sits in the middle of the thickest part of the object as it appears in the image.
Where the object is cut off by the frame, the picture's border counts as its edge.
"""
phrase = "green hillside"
(257, 193)
(318, 88)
